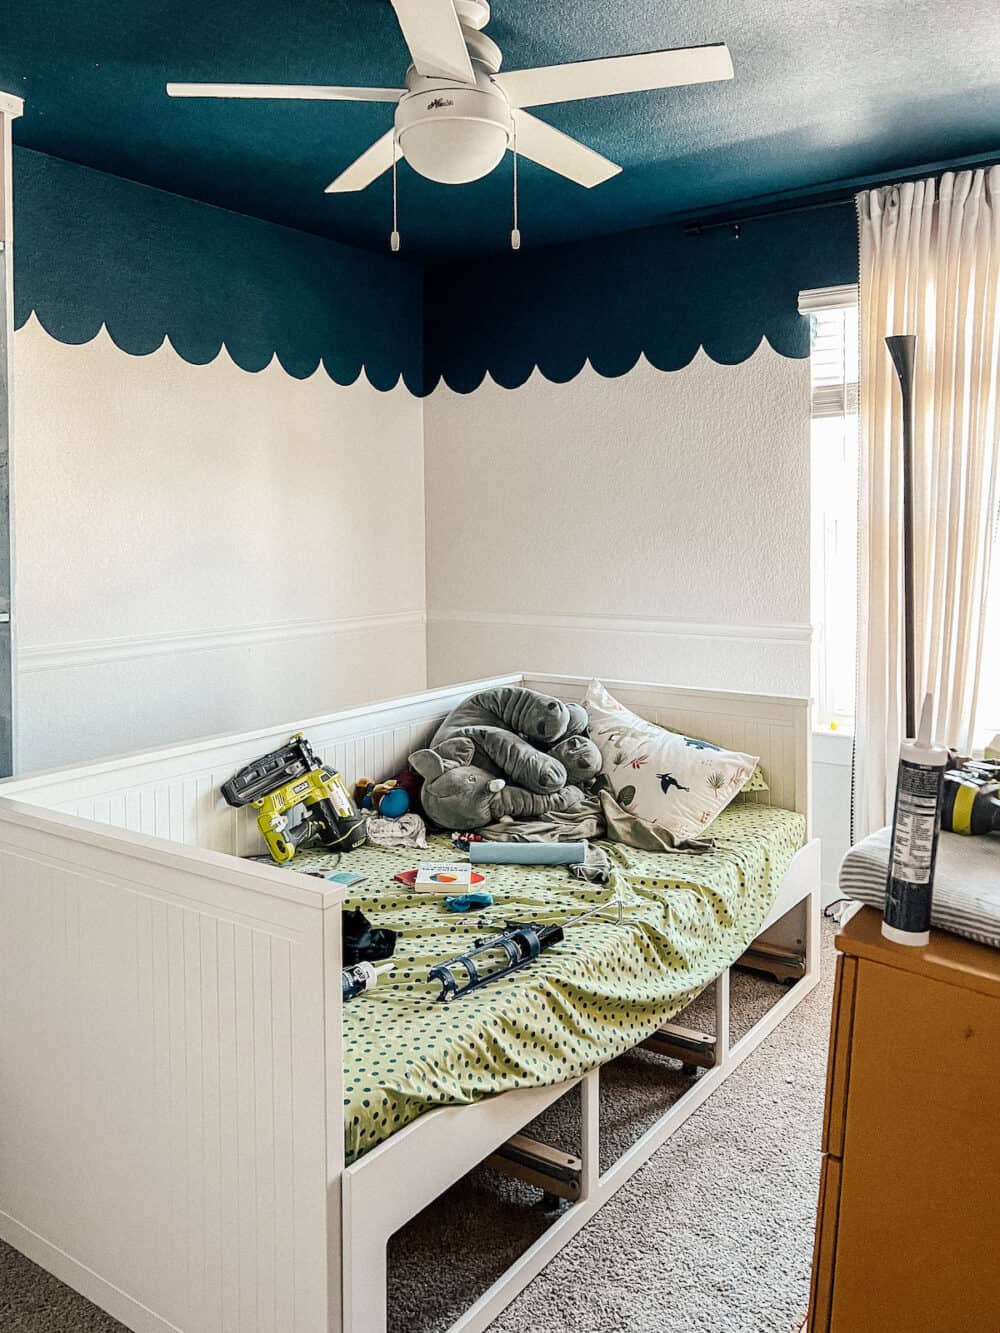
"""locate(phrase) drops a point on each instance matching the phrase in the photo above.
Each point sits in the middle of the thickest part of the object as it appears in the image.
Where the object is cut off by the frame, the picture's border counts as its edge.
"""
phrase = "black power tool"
(972, 798)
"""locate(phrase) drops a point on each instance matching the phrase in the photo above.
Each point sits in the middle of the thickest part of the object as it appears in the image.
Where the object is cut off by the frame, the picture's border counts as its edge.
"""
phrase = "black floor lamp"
(903, 349)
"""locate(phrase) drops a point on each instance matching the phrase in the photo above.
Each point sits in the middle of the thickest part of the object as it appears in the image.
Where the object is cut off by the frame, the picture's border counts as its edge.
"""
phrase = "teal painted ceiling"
(844, 91)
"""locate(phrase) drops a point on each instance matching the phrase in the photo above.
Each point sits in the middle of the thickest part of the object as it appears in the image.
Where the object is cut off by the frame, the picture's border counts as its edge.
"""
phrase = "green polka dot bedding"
(589, 999)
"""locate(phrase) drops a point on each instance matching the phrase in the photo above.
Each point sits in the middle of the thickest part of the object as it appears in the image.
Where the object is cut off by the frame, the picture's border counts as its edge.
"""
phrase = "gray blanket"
(594, 817)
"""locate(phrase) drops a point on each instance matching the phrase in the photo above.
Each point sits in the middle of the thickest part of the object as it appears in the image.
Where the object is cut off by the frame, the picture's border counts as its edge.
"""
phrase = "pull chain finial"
(394, 234)
(515, 235)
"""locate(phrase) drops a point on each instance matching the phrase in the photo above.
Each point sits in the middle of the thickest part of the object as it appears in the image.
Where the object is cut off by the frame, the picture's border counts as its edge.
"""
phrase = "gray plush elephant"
(459, 795)
(532, 739)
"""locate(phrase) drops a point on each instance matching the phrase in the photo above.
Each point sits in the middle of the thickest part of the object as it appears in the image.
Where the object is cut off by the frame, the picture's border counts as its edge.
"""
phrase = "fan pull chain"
(394, 234)
(515, 235)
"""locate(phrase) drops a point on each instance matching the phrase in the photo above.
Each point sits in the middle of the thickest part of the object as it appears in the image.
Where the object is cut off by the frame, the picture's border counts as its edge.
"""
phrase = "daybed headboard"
(174, 793)
(772, 726)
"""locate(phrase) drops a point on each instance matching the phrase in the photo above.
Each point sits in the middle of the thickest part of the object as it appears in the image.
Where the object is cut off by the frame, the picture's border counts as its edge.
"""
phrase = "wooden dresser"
(908, 1225)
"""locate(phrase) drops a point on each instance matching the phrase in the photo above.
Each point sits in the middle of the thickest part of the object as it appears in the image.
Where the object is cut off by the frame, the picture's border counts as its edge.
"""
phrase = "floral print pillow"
(678, 782)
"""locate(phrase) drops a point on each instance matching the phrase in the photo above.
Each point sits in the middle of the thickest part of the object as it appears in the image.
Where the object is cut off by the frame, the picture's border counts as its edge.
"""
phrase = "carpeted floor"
(713, 1233)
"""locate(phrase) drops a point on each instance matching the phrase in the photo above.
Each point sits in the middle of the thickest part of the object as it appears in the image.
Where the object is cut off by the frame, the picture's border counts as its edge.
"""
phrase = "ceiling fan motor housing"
(453, 132)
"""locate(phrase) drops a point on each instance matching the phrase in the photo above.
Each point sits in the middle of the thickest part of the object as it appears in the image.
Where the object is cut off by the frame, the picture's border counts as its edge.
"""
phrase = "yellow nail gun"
(288, 777)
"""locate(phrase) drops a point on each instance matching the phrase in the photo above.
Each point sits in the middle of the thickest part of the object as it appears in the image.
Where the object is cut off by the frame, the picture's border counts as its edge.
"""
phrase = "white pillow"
(672, 780)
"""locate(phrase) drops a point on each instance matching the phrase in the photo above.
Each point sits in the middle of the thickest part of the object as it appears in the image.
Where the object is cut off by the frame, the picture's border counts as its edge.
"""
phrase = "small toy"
(458, 794)
(388, 798)
(465, 902)
(462, 840)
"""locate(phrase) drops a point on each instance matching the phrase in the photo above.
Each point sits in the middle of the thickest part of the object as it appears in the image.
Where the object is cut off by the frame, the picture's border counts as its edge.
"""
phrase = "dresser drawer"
(918, 1224)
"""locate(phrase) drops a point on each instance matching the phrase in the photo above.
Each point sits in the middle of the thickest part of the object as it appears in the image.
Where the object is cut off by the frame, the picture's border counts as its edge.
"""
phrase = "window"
(833, 360)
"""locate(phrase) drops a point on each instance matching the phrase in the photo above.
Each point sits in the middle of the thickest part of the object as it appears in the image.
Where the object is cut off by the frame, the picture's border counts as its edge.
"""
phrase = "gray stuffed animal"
(458, 795)
(535, 740)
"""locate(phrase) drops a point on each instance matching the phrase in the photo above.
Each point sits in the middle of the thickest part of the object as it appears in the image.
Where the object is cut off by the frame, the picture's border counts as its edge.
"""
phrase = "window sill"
(832, 747)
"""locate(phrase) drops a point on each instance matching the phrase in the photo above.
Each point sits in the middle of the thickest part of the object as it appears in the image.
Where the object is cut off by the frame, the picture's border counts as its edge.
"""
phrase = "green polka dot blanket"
(585, 1001)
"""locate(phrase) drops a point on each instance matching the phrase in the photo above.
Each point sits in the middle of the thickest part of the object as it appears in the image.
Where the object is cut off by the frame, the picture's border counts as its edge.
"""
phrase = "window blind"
(833, 361)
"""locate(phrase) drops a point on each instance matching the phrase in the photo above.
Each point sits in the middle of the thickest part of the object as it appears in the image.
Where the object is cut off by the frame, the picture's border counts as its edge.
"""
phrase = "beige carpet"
(712, 1235)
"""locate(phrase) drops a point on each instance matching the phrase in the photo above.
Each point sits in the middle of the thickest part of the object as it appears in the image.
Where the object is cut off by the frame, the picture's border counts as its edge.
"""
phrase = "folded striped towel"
(966, 882)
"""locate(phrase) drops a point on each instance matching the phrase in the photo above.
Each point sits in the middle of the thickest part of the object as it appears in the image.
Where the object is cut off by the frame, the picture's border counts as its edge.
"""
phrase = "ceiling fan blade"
(434, 36)
(568, 157)
(303, 92)
(616, 74)
(366, 168)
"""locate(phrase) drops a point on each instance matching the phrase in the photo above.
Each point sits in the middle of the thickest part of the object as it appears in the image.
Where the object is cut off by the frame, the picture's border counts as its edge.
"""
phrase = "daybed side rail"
(775, 727)
(174, 793)
(171, 1091)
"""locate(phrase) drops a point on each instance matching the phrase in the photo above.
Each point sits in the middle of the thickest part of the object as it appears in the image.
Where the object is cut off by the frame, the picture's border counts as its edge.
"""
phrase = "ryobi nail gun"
(290, 776)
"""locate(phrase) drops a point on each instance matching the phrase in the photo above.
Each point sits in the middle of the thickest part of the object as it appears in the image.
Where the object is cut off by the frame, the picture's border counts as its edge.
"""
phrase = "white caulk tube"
(362, 977)
(916, 824)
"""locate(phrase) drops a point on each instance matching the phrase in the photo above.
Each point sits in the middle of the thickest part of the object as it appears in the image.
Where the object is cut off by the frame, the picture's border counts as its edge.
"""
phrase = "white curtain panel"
(930, 265)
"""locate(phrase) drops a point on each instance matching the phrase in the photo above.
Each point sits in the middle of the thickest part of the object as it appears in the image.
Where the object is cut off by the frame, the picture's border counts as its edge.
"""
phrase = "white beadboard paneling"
(132, 791)
(654, 499)
(182, 1097)
(176, 793)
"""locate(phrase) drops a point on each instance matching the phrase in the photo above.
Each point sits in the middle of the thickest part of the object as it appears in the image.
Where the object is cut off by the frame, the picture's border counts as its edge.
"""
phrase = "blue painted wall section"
(92, 248)
(656, 292)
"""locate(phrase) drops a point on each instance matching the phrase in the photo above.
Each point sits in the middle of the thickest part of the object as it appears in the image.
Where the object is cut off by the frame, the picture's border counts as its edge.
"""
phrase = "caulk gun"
(514, 946)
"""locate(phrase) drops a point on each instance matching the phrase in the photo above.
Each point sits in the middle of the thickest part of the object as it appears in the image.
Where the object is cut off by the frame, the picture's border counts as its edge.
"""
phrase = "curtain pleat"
(929, 265)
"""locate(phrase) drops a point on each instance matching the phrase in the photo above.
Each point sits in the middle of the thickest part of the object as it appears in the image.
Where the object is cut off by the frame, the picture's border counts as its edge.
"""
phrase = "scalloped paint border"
(97, 251)
(642, 363)
(165, 347)
(296, 370)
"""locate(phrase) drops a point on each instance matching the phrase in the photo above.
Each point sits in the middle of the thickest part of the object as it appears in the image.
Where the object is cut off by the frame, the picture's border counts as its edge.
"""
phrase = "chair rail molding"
(96, 652)
(698, 629)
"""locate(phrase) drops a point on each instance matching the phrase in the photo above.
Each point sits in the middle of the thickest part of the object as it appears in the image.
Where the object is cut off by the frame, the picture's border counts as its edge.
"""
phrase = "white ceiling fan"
(458, 114)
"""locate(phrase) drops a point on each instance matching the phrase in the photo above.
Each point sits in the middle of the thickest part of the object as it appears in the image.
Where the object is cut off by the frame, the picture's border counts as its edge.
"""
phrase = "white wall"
(654, 526)
(202, 549)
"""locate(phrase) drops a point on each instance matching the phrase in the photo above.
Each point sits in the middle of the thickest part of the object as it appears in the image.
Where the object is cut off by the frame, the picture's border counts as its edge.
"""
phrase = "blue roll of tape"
(527, 853)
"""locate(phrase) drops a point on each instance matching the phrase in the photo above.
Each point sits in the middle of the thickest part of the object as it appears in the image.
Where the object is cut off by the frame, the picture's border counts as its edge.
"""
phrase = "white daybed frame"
(171, 1083)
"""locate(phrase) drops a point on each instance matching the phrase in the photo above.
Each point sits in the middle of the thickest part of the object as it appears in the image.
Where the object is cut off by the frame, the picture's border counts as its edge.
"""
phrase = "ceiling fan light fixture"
(453, 134)
(456, 152)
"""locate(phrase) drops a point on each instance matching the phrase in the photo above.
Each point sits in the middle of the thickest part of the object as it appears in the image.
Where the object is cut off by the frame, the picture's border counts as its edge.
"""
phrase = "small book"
(444, 877)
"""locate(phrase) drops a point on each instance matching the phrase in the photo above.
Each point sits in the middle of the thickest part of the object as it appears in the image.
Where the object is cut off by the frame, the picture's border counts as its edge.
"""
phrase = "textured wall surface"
(191, 542)
(653, 526)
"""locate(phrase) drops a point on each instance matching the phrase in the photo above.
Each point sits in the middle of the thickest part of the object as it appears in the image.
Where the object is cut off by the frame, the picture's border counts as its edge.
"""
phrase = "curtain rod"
(842, 193)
